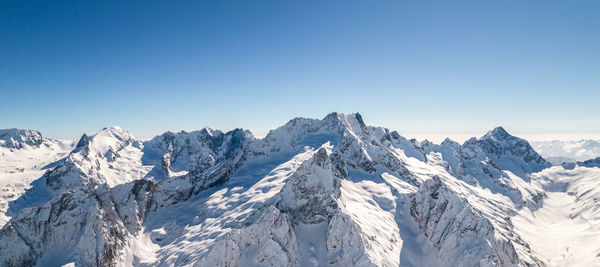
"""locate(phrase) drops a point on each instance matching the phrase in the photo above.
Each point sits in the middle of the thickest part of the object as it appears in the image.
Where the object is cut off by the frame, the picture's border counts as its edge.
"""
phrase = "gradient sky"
(68, 67)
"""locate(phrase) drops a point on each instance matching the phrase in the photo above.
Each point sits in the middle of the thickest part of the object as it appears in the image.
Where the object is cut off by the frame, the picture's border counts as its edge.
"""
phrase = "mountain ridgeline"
(328, 192)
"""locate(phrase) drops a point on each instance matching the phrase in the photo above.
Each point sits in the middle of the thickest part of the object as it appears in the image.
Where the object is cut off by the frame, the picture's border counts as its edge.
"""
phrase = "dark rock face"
(87, 221)
(590, 163)
(207, 157)
(448, 221)
(83, 141)
(310, 193)
(487, 161)
(498, 142)
(132, 202)
(75, 221)
(195, 151)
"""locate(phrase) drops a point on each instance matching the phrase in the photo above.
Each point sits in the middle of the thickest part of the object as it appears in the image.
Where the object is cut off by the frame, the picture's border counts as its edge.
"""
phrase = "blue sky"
(70, 67)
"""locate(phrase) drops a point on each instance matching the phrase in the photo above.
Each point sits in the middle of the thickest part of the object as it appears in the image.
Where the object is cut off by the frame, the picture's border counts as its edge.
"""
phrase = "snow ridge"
(18, 138)
(329, 192)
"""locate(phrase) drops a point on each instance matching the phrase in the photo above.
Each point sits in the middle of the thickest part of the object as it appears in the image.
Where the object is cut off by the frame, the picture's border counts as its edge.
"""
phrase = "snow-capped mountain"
(17, 138)
(24, 157)
(329, 192)
(567, 151)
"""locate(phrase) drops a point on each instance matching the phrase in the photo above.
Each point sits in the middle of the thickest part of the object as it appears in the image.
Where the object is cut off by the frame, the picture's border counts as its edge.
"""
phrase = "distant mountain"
(560, 160)
(24, 156)
(313, 192)
(18, 138)
(590, 163)
(567, 151)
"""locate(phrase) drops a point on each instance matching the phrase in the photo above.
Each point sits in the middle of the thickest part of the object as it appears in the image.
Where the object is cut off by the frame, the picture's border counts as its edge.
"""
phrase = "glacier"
(313, 192)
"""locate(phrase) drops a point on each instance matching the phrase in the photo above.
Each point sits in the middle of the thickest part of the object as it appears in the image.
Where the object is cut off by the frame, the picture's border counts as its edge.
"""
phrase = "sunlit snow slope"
(565, 230)
(24, 157)
(329, 192)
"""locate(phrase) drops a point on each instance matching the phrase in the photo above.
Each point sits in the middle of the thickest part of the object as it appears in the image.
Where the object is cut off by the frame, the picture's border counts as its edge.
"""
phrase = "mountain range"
(313, 192)
(559, 151)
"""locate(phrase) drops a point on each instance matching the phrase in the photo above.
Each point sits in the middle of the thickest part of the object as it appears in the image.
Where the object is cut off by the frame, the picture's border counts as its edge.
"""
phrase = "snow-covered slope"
(24, 157)
(18, 138)
(497, 161)
(329, 192)
(565, 231)
(568, 151)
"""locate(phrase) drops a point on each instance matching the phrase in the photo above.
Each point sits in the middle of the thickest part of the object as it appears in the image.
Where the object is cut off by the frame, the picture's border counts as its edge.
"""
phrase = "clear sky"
(68, 67)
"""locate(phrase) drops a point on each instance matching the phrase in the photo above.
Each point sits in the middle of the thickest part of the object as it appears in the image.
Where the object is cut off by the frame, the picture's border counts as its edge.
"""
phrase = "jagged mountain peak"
(15, 132)
(345, 118)
(487, 160)
(309, 193)
(107, 141)
(84, 141)
(508, 151)
(113, 128)
(499, 140)
(496, 140)
(19, 138)
(207, 130)
(109, 157)
(206, 135)
(590, 163)
(315, 132)
(194, 151)
(449, 141)
(353, 122)
(320, 158)
(113, 131)
(498, 134)
(328, 191)
(331, 120)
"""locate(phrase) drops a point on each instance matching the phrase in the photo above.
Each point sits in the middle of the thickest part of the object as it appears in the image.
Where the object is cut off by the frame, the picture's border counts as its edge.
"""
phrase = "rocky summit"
(313, 192)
